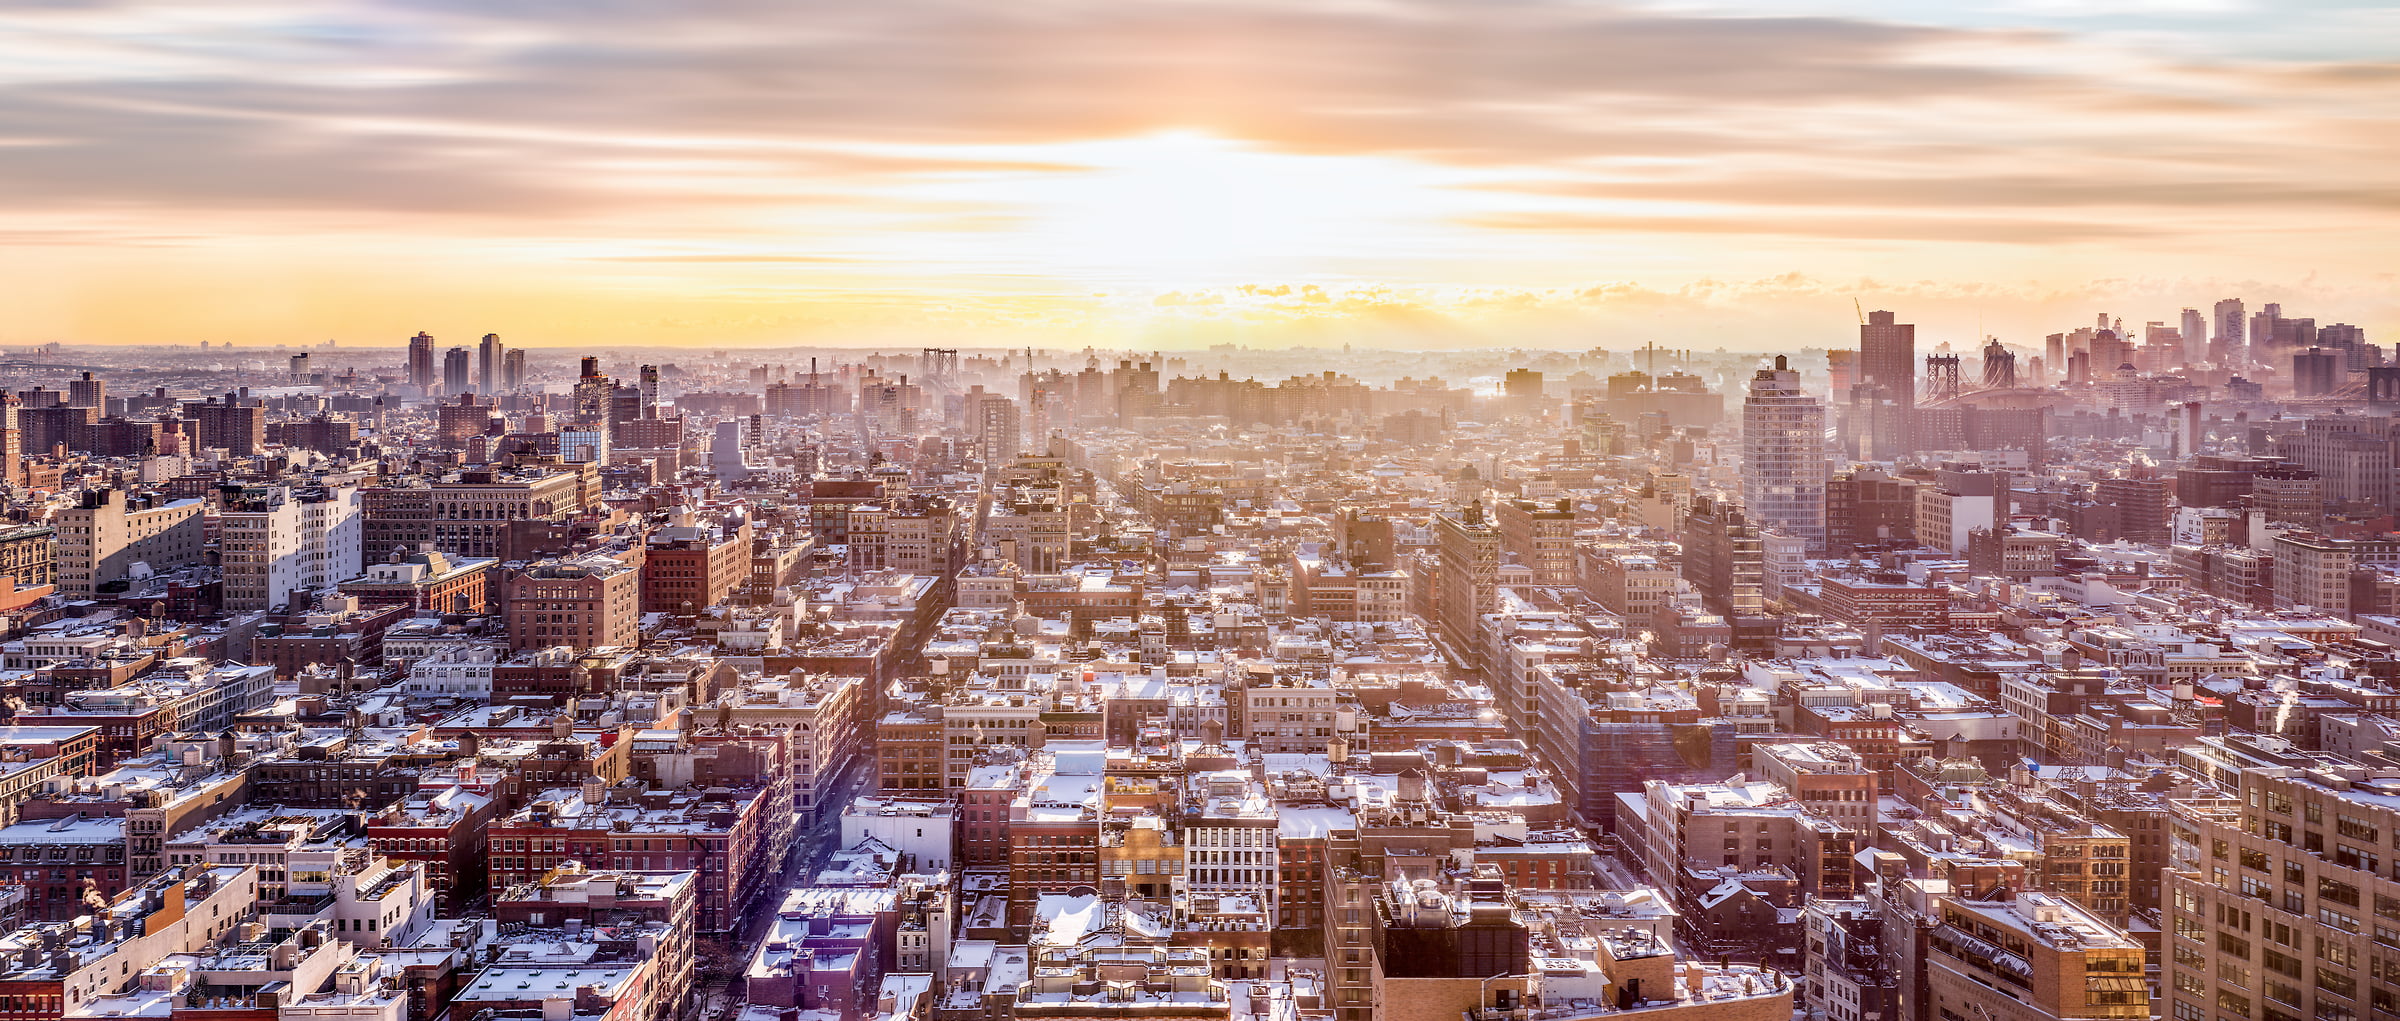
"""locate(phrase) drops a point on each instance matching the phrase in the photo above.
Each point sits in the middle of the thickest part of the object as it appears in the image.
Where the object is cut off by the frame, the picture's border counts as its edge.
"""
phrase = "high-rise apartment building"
(2316, 372)
(996, 425)
(46, 428)
(420, 361)
(88, 391)
(1523, 388)
(454, 371)
(512, 369)
(2225, 343)
(1467, 547)
(1887, 358)
(235, 423)
(12, 442)
(488, 356)
(1783, 455)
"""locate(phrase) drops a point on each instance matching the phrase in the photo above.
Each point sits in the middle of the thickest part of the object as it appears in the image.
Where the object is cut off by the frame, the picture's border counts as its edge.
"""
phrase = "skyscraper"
(1466, 577)
(1887, 365)
(2195, 337)
(2265, 345)
(1783, 455)
(454, 370)
(997, 426)
(487, 363)
(512, 368)
(89, 391)
(2225, 344)
(592, 390)
(420, 361)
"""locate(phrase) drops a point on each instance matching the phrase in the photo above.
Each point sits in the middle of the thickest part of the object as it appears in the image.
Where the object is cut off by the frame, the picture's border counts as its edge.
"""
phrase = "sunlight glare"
(1182, 207)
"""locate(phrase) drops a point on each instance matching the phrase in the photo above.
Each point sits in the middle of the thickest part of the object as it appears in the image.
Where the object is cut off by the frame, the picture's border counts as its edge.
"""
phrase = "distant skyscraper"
(997, 426)
(2316, 372)
(1783, 455)
(2195, 337)
(421, 361)
(512, 368)
(1887, 358)
(649, 391)
(89, 391)
(1523, 388)
(2262, 334)
(487, 363)
(591, 390)
(1887, 355)
(454, 371)
(2225, 343)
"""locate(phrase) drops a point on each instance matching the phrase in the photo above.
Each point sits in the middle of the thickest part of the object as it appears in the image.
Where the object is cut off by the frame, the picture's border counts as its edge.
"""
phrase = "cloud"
(721, 257)
(432, 106)
(718, 133)
(1978, 191)
(1946, 229)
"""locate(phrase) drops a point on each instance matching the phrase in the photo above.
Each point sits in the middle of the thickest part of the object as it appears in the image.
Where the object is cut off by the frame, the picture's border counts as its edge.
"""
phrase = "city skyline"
(1407, 175)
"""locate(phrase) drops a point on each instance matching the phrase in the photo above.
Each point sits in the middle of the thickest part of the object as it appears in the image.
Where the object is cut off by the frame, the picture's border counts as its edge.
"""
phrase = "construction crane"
(1862, 310)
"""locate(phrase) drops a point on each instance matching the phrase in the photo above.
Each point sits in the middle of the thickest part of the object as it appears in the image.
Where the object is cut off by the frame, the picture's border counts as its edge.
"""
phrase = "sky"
(1165, 173)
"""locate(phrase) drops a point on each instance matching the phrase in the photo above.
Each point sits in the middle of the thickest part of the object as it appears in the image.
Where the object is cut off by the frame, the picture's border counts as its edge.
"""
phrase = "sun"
(1178, 208)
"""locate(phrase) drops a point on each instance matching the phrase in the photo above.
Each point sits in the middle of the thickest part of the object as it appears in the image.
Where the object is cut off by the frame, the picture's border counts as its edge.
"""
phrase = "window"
(2233, 1004)
(2329, 889)
(2337, 982)
(2281, 963)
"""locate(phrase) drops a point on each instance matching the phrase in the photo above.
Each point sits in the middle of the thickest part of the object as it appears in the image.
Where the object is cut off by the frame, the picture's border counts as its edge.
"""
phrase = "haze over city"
(1411, 174)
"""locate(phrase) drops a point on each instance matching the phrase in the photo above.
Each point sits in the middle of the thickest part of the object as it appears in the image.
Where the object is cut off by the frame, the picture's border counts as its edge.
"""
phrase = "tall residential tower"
(1783, 455)
(1887, 365)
